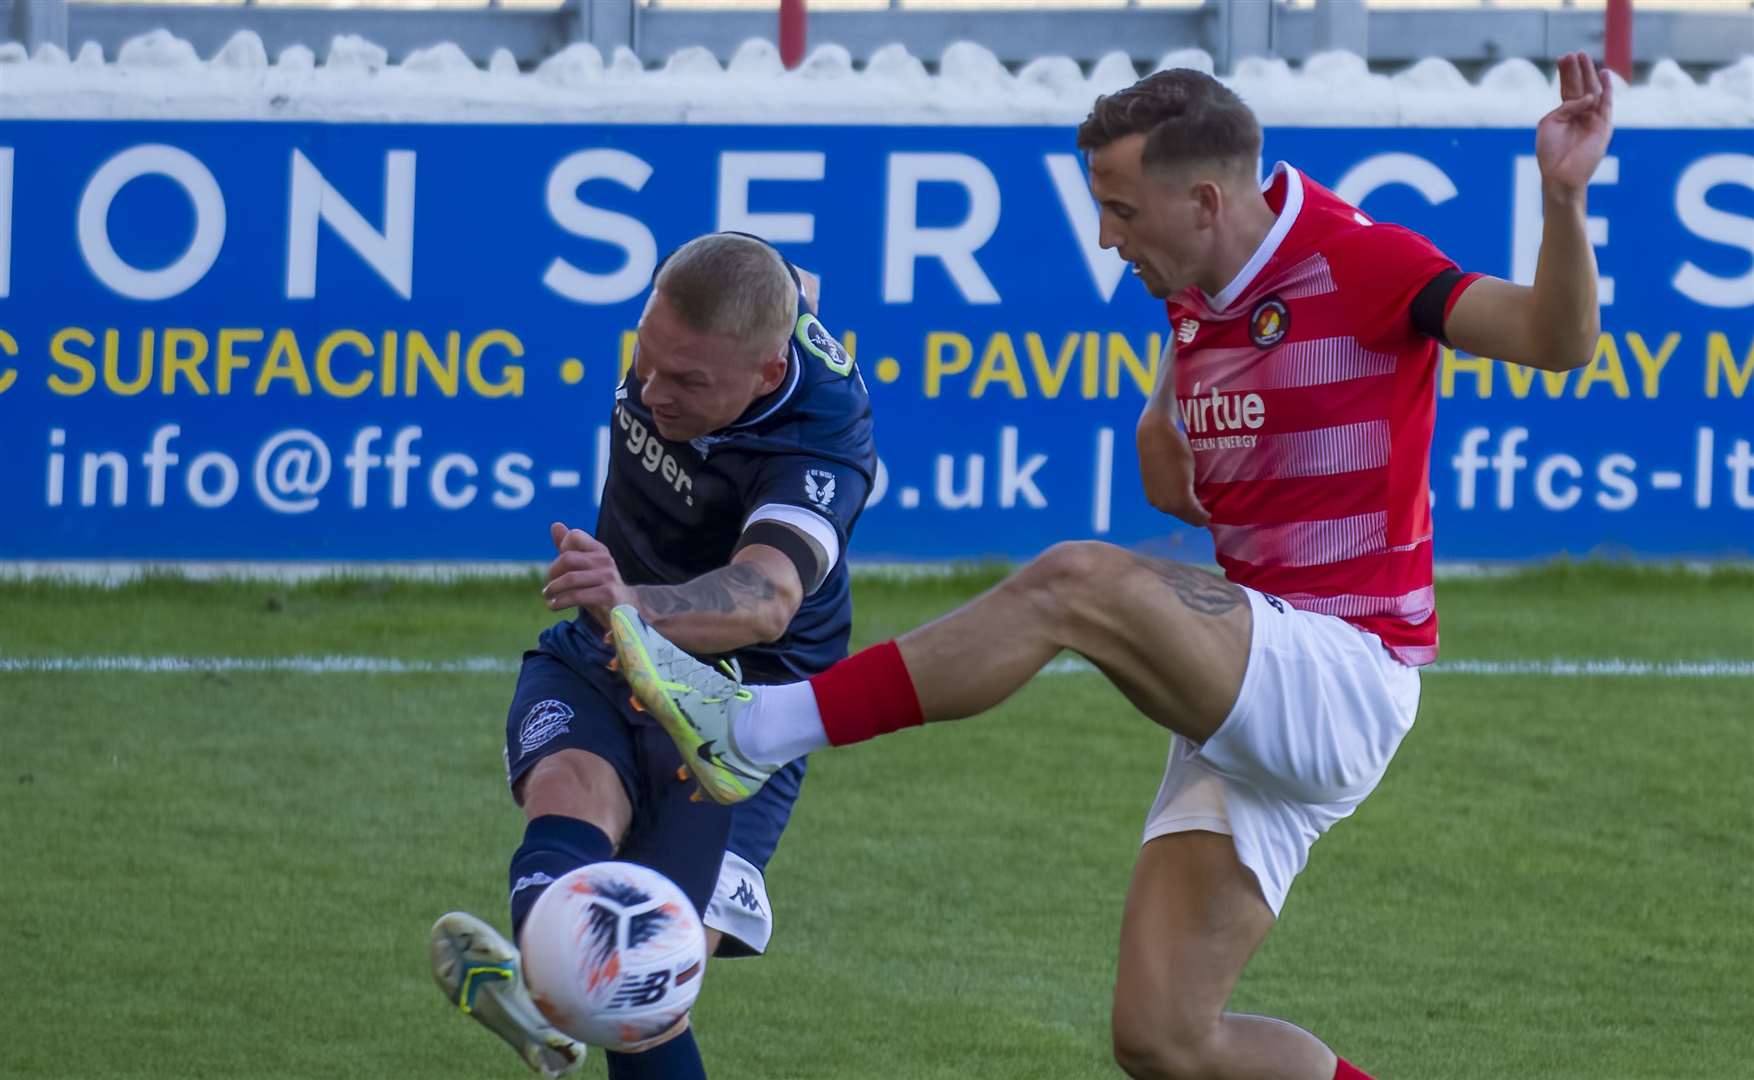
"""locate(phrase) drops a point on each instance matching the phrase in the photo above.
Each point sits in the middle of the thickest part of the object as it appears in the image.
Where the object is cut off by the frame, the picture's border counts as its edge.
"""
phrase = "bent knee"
(577, 784)
(1073, 572)
(1155, 1053)
(674, 1032)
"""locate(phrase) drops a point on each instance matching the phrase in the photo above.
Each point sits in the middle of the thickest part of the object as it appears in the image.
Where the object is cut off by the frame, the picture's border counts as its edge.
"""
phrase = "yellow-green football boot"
(479, 972)
(696, 704)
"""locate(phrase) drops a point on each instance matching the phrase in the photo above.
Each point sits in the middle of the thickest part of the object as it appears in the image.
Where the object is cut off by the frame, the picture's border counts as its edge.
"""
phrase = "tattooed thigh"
(1199, 591)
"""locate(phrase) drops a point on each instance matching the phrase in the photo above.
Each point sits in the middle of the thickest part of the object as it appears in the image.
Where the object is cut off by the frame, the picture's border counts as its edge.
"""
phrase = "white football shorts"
(739, 908)
(1323, 708)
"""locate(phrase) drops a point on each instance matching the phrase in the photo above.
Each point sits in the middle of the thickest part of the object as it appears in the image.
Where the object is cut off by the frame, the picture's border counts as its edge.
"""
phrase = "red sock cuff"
(866, 695)
(1348, 1071)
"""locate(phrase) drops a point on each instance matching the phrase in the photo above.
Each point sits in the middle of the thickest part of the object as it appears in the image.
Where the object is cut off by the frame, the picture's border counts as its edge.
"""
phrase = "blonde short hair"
(734, 286)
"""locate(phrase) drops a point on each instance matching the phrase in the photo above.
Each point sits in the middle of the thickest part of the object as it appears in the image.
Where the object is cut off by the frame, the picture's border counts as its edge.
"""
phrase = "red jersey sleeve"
(1382, 269)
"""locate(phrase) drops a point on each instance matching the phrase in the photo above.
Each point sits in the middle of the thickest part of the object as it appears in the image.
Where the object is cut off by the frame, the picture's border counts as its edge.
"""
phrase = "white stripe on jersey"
(1325, 451)
(1415, 606)
(1292, 365)
(1311, 277)
(1304, 543)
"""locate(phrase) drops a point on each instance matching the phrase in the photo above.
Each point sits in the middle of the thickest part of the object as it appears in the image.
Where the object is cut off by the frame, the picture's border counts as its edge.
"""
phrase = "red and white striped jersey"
(1309, 397)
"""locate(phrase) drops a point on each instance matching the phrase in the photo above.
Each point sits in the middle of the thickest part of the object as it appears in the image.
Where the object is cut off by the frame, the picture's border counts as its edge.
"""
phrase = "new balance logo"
(636, 991)
(746, 896)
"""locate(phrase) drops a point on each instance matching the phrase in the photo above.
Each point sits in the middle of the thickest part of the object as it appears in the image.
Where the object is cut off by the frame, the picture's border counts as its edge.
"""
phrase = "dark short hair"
(1185, 116)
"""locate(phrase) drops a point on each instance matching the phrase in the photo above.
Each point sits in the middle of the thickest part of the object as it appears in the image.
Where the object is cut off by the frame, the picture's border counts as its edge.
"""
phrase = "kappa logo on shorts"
(544, 721)
(746, 896)
(1278, 604)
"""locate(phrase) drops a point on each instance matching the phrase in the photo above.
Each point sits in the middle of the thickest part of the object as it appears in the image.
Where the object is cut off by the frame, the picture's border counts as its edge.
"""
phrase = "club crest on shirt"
(819, 486)
(1186, 329)
(1269, 322)
(544, 721)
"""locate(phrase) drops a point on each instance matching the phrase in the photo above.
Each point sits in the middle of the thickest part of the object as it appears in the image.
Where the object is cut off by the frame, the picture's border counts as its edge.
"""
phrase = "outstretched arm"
(750, 600)
(1554, 323)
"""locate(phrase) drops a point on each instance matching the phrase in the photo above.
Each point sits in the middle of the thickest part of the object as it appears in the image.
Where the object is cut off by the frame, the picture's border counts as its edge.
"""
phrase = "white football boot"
(479, 971)
(695, 704)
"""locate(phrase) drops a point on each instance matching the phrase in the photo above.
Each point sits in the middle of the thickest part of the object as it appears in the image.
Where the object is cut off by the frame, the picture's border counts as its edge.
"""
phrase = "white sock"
(782, 723)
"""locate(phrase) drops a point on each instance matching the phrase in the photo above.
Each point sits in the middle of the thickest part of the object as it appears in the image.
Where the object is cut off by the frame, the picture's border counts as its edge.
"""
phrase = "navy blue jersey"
(674, 511)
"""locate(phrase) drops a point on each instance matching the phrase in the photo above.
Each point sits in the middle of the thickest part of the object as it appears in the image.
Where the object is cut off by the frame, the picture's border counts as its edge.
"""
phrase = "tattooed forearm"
(738, 587)
(1198, 590)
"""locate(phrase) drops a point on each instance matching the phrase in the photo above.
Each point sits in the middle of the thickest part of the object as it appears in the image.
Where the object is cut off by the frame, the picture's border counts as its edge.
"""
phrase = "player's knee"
(1154, 1052)
(577, 784)
(669, 1036)
(1072, 574)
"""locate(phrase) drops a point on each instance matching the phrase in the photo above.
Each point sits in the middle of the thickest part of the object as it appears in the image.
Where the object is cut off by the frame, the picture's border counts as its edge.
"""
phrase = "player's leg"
(1320, 713)
(682, 837)
(576, 810)
(569, 761)
(740, 906)
(1194, 916)
(738, 920)
(572, 767)
(1173, 639)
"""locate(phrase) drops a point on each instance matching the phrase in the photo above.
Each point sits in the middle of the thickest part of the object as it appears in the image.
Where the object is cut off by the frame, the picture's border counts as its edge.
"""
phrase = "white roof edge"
(159, 76)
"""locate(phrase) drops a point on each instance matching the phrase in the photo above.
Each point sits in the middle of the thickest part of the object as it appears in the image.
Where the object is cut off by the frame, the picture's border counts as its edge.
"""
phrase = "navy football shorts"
(715, 854)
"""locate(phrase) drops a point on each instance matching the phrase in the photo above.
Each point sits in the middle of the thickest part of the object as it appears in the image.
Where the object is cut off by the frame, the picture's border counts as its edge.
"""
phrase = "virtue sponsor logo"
(1214, 411)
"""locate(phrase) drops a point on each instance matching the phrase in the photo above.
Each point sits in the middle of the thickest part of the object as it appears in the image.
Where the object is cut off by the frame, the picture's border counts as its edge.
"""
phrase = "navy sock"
(553, 845)
(678, 1059)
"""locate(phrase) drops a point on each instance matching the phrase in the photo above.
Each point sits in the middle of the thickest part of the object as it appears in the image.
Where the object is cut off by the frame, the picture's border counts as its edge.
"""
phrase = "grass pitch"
(231, 875)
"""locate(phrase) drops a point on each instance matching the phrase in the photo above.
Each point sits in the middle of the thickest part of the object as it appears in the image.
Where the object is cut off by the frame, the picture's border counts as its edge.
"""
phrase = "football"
(613, 954)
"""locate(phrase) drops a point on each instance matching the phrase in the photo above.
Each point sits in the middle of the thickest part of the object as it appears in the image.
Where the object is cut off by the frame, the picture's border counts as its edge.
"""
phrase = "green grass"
(232, 876)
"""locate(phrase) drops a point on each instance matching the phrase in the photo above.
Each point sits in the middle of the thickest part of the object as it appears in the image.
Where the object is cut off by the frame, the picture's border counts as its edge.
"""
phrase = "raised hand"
(1571, 140)
(583, 574)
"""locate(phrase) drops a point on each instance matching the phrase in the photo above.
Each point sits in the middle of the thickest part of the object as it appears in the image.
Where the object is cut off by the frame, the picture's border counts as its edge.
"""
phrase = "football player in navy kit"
(741, 456)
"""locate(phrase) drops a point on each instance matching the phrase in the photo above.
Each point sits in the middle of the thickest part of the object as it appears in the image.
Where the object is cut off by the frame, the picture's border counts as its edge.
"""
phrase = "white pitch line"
(1555, 668)
(1616, 667)
(1673, 669)
(292, 665)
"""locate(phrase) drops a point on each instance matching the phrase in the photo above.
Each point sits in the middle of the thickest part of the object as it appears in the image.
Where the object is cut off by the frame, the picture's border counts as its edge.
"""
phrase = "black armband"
(810, 559)
(1432, 303)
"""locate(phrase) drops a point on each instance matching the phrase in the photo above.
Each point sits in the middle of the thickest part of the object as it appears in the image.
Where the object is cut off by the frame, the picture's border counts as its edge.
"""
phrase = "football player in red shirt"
(1296, 424)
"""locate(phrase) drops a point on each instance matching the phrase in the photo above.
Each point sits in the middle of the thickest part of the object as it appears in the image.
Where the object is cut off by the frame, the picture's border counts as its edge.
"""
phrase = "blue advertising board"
(374, 341)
